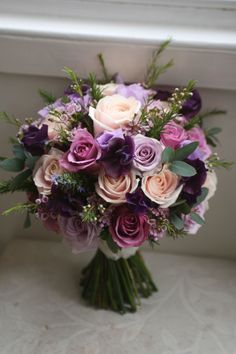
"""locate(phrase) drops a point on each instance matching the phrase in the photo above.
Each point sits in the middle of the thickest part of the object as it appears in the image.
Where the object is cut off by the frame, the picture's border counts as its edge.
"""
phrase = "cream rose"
(162, 188)
(45, 168)
(113, 112)
(113, 190)
(108, 89)
(210, 184)
(55, 124)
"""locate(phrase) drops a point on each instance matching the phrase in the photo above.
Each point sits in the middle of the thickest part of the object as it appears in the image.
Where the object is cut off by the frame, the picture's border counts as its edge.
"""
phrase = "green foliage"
(13, 165)
(211, 136)
(154, 70)
(27, 222)
(89, 213)
(47, 97)
(197, 218)
(20, 208)
(9, 119)
(169, 154)
(183, 169)
(106, 75)
(19, 183)
(95, 89)
(74, 182)
(106, 236)
(215, 161)
(198, 120)
(177, 221)
(202, 196)
(18, 151)
(76, 83)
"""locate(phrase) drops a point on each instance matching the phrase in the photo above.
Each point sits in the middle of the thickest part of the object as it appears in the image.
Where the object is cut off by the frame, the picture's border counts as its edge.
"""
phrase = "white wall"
(18, 96)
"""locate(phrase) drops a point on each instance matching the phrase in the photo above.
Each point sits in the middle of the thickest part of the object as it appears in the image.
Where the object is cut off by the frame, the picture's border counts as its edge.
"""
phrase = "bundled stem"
(116, 285)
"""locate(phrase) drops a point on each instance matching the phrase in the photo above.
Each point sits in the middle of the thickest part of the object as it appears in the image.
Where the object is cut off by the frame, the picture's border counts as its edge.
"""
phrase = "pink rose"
(128, 229)
(113, 190)
(45, 168)
(113, 112)
(162, 188)
(173, 134)
(196, 134)
(83, 153)
(79, 235)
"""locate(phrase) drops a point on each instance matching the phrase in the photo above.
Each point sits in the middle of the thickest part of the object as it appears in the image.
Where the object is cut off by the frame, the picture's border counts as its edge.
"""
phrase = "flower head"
(34, 139)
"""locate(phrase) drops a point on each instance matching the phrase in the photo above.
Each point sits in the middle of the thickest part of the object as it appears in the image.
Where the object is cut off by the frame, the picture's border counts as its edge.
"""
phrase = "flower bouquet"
(111, 165)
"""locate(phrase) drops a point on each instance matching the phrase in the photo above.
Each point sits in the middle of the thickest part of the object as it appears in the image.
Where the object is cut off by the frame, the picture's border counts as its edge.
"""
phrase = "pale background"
(18, 96)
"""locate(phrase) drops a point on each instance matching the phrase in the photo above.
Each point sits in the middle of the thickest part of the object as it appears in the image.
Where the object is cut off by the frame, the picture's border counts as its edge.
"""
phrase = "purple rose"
(79, 235)
(34, 139)
(173, 135)
(192, 106)
(117, 153)
(134, 90)
(83, 153)
(147, 153)
(191, 226)
(128, 229)
(197, 134)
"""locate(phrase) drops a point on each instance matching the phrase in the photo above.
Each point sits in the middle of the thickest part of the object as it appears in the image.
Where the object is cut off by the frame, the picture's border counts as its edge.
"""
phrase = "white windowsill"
(203, 47)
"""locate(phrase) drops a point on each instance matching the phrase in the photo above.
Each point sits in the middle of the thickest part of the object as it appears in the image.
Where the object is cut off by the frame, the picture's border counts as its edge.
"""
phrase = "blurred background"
(37, 41)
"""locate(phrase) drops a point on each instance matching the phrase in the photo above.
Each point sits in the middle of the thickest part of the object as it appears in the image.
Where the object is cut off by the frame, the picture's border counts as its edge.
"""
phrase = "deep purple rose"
(83, 153)
(128, 229)
(147, 153)
(135, 90)
(79, 235)
(192, 106)
(34, 139)
(117, 153)
(173, 135)
(192, 185)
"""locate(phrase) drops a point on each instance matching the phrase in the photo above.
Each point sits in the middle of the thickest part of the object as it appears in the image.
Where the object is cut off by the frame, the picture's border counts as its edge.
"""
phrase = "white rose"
(210, 184)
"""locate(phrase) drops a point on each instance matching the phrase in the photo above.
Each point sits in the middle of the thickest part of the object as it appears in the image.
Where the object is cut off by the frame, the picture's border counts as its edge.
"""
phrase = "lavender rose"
(79, 235)
(147, 153)
(83, 154)
(173, 135)
(134, 90)
(127, 228)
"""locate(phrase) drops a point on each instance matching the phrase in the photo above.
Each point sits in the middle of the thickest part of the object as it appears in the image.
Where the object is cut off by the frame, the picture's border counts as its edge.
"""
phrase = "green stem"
(116, 285)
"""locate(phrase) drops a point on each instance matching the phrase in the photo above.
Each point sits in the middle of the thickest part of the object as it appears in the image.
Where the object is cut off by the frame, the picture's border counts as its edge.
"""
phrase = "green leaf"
(13, 165)
(106, 75)
(214, 131)
(167, 155)
(30, 161)
(202, 196)
(183, 169)
(197, 218)
(18, 181)
(177, 221)
(185, 151)
(184, 208)
(18, 151)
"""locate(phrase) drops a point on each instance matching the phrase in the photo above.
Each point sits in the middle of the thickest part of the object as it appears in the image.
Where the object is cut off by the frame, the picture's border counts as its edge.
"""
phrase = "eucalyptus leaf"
(177, 221)
(18, 181)
(18, 151)
(183, 152)
(13, 165)
(214, 131)
(168, 155)
(202, 196)
(183, 169)
(30, 161)
(197, 218)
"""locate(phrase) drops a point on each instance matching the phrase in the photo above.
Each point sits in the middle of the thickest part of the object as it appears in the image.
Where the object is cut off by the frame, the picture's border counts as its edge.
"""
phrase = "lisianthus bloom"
(113, 112)
(128, 229)
(173, 135)
(34, 139)
(113, 190)
(192, 105)
(45, 168)
(138, 201)
(134, 90)
(83, 153)
(162, 187)
(79, 235)
(192, 185)
(117, 152)
(191, 226)
(147, 153)
(196, 134)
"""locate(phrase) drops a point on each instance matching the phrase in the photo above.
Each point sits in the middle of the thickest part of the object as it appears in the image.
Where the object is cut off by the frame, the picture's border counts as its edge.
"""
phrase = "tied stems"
(116, 285)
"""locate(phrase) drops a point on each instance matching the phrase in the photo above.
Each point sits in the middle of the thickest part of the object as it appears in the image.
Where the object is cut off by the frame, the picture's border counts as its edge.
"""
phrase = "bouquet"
(110, 165)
